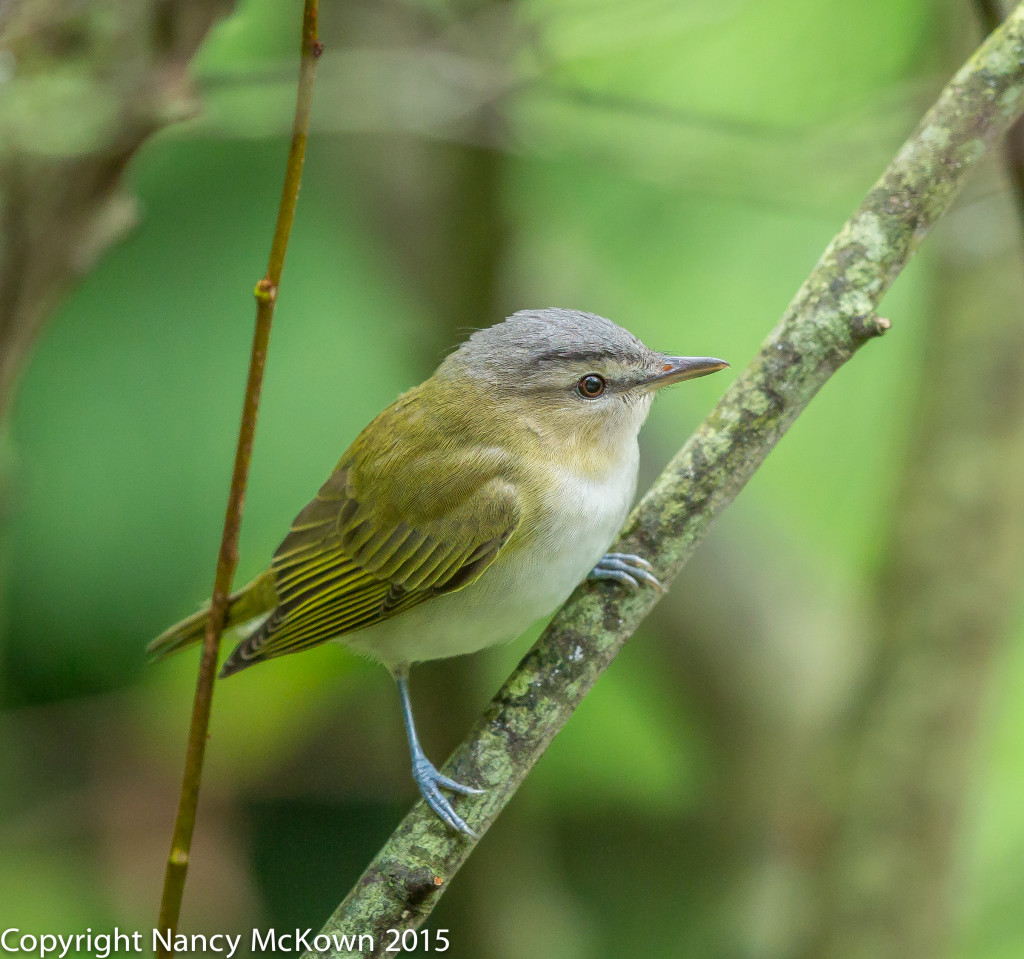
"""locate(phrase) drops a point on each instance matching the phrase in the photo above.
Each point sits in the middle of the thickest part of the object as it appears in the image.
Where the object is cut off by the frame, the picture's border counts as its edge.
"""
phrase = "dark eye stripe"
(590, 386)
(576, 356)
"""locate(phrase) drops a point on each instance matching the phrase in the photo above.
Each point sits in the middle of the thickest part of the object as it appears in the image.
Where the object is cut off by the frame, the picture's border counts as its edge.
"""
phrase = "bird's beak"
(675, 369)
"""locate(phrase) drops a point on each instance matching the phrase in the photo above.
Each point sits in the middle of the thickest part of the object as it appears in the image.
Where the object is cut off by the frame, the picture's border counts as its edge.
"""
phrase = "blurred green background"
(676, 166)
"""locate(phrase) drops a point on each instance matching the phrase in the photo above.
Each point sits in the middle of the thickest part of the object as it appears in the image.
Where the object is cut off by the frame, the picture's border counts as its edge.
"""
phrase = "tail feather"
(255, 599)
(247, 652)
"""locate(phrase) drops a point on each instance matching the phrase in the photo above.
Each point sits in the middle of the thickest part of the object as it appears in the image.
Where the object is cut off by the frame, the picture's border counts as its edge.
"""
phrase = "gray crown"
(531, 339)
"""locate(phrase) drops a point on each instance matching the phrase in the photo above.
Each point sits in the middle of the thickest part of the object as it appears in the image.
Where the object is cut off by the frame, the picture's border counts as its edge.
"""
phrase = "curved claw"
(630, 558)
(626, 568)
(618, 575)
(431, 782)
(445, 783)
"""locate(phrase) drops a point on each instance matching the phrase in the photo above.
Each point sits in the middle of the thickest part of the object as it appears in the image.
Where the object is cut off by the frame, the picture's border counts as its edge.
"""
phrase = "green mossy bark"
(831, 317)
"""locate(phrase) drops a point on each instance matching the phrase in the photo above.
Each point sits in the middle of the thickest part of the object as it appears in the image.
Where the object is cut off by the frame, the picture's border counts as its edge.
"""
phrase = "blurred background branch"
(990, 13)
(947, 587)
(82, 86)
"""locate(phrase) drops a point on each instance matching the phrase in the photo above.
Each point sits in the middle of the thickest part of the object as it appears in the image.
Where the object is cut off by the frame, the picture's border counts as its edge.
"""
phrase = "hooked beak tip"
(675, 369)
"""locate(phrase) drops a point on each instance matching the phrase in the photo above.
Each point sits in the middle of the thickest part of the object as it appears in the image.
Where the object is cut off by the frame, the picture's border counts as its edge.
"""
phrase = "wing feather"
(348, 563)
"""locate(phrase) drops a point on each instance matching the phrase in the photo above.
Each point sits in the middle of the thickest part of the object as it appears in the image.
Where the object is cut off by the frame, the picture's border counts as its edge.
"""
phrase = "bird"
(467, 510)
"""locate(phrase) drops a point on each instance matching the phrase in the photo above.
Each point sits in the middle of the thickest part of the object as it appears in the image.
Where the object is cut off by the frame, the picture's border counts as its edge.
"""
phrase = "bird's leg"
(430, 781)
(625, 568)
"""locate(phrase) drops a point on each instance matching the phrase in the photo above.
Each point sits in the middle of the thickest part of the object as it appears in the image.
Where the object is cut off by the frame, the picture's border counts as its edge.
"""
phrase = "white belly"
(581, 520)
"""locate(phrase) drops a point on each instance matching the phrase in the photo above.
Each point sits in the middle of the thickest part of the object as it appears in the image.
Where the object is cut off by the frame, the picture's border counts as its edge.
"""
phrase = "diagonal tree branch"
(831, 317)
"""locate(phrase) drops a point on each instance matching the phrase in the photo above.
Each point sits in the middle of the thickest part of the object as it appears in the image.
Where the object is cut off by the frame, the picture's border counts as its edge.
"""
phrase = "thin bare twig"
(266, 298)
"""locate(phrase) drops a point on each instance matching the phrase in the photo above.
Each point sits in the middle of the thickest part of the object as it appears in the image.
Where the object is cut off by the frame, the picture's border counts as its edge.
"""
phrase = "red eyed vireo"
(467, 510)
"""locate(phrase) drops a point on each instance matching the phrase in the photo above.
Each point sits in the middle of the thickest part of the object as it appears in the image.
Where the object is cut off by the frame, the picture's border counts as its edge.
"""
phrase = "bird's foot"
(626, 568)
(431, 782)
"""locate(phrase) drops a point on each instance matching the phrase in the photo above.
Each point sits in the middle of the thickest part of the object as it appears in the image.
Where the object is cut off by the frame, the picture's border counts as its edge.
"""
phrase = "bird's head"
(571, 372)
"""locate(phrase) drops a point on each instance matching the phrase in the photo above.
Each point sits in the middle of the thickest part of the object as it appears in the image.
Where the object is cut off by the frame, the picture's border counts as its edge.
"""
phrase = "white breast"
(583, 515)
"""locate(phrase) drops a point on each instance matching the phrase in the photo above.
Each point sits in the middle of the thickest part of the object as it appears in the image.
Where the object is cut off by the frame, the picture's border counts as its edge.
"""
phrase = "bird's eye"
(590, 386)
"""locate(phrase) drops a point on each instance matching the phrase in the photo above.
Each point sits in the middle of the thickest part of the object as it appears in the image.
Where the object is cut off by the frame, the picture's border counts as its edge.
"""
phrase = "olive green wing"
(353, 559)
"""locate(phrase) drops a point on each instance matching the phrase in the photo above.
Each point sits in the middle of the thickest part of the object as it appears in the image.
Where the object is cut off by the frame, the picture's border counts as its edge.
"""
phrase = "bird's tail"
(252, 601)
